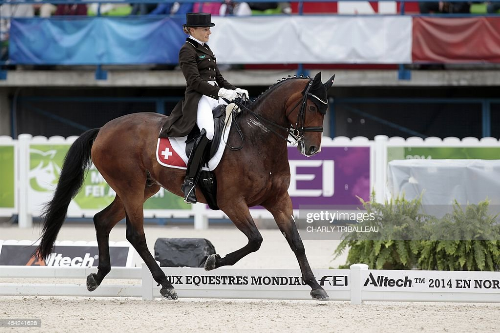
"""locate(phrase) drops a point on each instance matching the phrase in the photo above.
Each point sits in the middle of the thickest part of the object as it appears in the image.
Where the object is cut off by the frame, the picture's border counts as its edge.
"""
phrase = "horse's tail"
(76, 162)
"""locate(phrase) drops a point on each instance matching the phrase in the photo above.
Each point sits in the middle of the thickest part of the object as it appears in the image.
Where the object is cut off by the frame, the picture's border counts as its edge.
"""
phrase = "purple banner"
(335, 176)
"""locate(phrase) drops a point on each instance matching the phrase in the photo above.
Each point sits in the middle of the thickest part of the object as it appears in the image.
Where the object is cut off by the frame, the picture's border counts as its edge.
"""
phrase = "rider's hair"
(186, 30)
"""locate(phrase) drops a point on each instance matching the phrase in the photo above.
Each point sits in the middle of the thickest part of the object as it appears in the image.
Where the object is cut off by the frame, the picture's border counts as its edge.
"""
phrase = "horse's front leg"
(283, 215)
(240, 216)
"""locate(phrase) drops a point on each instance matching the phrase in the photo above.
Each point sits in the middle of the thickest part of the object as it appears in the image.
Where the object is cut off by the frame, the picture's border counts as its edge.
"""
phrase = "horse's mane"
(273, 87)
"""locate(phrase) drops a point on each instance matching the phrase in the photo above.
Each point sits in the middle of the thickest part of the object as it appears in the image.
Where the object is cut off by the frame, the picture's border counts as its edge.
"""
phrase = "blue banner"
(94, 41)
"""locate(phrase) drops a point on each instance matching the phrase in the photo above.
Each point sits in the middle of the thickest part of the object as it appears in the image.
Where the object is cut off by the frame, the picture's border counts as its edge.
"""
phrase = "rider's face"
(202, 34)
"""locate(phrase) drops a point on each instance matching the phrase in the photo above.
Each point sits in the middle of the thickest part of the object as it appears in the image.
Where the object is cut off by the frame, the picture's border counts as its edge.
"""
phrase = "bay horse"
(123, 151)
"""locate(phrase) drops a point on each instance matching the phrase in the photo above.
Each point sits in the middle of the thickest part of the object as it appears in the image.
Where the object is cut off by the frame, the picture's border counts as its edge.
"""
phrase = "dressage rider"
(205, 88)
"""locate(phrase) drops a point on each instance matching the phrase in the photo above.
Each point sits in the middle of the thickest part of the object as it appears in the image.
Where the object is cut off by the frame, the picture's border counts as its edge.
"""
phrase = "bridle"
(296, 131)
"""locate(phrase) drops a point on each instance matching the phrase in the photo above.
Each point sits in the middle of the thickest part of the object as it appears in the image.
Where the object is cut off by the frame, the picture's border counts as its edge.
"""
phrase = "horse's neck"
(272, 106)
(268, 126)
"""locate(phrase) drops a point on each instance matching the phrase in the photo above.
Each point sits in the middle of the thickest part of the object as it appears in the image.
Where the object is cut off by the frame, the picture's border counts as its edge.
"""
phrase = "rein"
(296, 132)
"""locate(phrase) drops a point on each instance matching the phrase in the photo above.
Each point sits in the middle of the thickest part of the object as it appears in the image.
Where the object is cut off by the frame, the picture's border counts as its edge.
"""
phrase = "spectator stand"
(121, 9)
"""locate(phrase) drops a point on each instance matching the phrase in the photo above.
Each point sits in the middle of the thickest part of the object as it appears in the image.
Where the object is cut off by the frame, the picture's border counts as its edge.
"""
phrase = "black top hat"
(198, 20)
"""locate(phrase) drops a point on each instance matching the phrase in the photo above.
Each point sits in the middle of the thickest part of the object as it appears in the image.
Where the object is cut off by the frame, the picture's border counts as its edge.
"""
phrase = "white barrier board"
(357, 284)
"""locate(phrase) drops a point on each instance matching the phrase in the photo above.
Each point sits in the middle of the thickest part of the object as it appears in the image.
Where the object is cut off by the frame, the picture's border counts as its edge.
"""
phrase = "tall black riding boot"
(195, 163)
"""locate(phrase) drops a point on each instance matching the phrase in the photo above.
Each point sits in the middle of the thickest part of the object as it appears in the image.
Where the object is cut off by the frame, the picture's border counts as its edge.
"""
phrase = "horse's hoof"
(211, 262)
(92, 282)
(319, 294)
(169, 293)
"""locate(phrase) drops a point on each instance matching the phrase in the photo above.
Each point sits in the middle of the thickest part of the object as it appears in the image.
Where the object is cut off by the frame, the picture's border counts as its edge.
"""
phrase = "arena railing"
(299, 9)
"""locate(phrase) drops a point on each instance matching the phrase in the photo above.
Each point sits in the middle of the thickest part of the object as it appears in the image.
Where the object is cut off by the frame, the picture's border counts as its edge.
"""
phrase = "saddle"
(207, 181)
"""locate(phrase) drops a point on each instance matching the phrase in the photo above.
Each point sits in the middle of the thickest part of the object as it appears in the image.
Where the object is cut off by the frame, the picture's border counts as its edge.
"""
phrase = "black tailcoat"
(198, 64)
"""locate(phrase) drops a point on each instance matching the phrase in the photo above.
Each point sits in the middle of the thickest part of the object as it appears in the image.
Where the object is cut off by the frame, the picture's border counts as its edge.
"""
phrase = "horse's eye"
(312, 108)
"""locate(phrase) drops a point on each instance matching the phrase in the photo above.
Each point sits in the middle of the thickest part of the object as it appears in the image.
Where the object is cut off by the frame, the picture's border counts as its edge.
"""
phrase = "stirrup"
(189, 191)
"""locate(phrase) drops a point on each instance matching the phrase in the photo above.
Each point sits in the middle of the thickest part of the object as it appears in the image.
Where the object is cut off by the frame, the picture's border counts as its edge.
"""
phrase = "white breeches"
(204, 117)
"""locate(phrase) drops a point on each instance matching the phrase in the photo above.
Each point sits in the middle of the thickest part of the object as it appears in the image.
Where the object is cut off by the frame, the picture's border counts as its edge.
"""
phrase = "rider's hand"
(228, 94)
(242, 92)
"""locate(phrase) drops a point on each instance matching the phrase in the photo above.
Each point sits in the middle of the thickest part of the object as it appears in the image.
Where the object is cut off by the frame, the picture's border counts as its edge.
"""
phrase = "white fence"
(33, 163)
(356, 284)
(37, 162)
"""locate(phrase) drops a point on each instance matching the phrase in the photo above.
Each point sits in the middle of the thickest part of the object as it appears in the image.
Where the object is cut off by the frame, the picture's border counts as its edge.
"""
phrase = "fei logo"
(311, 178)
(44, 170)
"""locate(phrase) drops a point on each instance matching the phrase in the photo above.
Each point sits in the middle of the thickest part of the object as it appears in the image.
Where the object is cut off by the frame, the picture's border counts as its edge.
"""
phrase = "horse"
(257, 173)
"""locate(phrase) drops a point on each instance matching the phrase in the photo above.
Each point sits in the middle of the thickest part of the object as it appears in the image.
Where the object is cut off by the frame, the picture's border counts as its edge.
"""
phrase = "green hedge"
(466, 239)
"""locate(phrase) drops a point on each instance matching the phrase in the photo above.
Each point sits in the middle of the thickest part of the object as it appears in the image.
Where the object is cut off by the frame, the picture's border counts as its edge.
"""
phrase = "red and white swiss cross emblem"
(167, 156)
(166, 153)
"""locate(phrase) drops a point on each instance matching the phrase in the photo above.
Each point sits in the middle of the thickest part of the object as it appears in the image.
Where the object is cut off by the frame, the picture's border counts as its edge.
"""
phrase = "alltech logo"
(385, 281)
(57, 260)
(62, 256)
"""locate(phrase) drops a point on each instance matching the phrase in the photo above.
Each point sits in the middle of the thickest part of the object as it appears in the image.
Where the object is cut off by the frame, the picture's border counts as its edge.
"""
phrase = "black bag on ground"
(183, 252)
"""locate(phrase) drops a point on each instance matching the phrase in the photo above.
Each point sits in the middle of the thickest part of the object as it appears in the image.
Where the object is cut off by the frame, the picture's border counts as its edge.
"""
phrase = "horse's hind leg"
(104, 221)
(283, 215)
(241, 217)
(136, 237)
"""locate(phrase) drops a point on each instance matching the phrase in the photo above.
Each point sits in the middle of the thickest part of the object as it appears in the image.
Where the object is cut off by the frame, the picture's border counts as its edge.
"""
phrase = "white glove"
(228, 94)
(242, 92)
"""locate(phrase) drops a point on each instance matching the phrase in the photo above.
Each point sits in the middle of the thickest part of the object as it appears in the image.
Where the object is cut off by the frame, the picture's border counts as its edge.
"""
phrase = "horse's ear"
(329, 83)
(317, 78)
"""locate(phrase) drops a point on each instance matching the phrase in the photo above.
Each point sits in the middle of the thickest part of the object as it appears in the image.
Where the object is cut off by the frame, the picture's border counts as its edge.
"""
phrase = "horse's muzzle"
(309, 150)
(312, 150)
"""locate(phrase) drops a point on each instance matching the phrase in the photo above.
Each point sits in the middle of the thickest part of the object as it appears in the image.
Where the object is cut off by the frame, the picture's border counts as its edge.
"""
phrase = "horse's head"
(306, 111)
